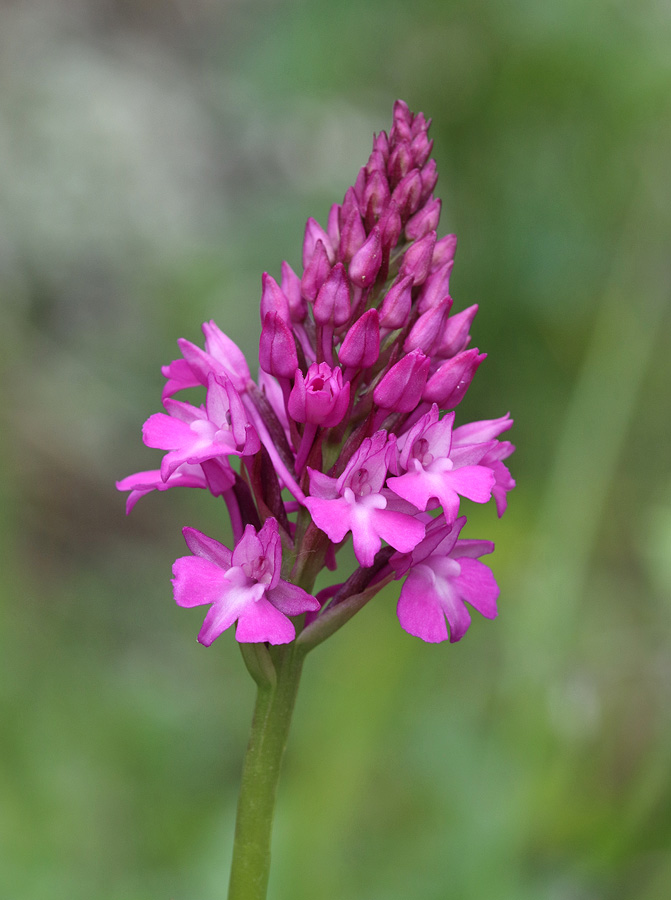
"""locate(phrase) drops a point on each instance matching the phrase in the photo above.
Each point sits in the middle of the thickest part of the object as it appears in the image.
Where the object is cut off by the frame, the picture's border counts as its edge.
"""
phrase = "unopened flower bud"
(436, 287)
(321, 397)
(381, 144)
(400, 162)
(376, 196)
(407, 193)
(401, 387)
(417, 259)
(420, 147)
(314, 233)
(277, 349)
(316, 273)
(352, 233)
(444, 251)
(425, 220)
(397, 303)
(367, 260)
(333, 225)
(361, 345)
(291, 288)
(456, 334)
(332, 305)
(390, 228)
(429, 173)
(273, 299)
(449, 383)
(428, 327)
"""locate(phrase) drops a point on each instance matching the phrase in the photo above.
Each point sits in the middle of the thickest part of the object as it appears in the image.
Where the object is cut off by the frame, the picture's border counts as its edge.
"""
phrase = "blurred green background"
(155, 159)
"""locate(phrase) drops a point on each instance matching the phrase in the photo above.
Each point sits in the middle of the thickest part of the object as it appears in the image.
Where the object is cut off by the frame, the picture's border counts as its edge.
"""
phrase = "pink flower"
(356, 502)
(243, 586)
(320, 397)
(443, 575)
(193, 435)
(219, 480)
(433, 470)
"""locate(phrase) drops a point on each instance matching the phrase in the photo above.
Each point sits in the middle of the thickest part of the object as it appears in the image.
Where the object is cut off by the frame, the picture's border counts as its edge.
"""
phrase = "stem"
(260, 774)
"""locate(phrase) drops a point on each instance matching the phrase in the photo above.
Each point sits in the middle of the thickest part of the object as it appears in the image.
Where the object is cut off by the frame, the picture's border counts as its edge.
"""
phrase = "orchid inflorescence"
(349, 428)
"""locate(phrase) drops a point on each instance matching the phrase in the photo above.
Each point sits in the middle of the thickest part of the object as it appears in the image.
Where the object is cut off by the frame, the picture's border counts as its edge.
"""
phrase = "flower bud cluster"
(349, 428)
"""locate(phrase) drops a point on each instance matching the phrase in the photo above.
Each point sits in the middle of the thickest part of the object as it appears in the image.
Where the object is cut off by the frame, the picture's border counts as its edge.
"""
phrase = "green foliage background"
(155, 158)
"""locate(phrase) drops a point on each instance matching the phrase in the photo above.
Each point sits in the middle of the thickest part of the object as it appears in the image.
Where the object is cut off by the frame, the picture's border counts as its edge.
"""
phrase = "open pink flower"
(356, 502)
(443, 574)
(433, 469)
(242, 586)
(192, 434)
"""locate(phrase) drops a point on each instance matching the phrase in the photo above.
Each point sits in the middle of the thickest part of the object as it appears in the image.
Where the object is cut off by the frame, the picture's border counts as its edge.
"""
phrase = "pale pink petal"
(478, 586)
(207, 548)
(332, 516)
(403, 532)
(261, 621)
(248, 549)
(291, 599)
(417, 610)
(165, 432)
(197, 581)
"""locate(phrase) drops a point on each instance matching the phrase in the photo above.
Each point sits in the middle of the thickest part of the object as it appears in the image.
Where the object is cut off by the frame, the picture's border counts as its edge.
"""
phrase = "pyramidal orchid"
(349, 433)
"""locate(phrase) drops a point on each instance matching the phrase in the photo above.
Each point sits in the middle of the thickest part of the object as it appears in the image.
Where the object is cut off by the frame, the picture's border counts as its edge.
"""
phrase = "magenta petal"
(417, 611)
(261, 621)
(291, 599)
(207, 548)
(478, 586)
(165, 432)
(473, 482)
(365, 536)
(332, 516)
(403, 532)
(248, 549)
(197, 581)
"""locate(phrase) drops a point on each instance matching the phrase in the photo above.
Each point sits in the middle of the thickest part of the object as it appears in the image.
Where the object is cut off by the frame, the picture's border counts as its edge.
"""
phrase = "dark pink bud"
(417, 259)
(429, 173)
(273, 299)
(321, 397)
(420, 124)
(376, 196)
(455, 336)
(367, 260)
(333, 225)
(381, 144)
(420, 147)
(401, 388)
(332, 305)
(277, 349)
(425, 220)
(396, 306)
(361, 345)
(436, 287)
(390, 227)
(444, 251)
(407, 193)
(316, 272)
(291, 288)
(314, 233)
(449, 383)
(400, 162)
(376, 163)
(427, 329)
(360, 183)
(402, 113)
(352, 234)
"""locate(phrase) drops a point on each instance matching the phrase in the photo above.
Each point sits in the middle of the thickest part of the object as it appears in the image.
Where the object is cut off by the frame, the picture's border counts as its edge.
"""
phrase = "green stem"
(260, 774)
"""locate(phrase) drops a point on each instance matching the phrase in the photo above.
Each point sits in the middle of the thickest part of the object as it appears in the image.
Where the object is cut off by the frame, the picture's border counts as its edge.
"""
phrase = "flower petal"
(261, 621)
